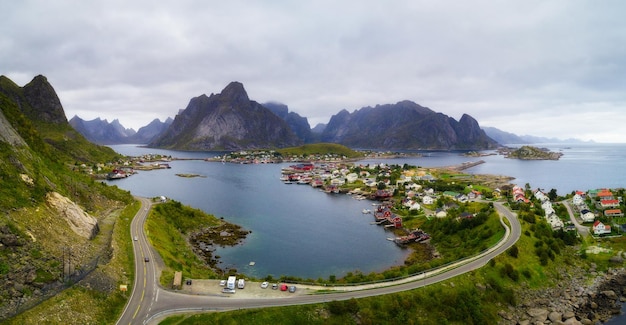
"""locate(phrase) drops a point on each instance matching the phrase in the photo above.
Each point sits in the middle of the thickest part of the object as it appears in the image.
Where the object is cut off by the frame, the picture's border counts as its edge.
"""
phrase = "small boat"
(366, 211)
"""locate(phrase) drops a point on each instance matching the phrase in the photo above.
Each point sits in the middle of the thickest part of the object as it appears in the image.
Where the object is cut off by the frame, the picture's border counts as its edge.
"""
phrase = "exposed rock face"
(79, 221)
(405, 125)
(8, 133)
(226, 121)
(44, 102)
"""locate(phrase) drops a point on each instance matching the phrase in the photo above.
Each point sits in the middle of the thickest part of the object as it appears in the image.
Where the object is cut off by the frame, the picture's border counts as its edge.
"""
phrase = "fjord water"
(296, 230)
(300, 231)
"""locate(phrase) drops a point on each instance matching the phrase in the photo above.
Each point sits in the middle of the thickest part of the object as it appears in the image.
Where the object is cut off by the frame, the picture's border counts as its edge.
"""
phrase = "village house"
(587, 216)
(609, 203)
(600, 229)
(613, 213)
(554, 221)
(427, 199)
(441, 213)
(474, 195)
(577, 199)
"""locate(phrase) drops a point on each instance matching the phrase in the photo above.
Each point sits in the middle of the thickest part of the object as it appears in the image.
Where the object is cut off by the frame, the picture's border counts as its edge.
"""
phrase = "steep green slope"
(41, 251)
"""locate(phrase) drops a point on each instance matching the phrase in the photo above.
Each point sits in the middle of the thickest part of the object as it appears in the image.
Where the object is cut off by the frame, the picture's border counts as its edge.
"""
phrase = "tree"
(552, 195)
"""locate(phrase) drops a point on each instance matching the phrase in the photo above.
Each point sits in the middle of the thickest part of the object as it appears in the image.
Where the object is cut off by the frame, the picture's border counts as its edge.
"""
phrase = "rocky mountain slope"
(101, 131)
(104, 132)
(226, 121)
(298, 124)
(405, 125)
(51, 210)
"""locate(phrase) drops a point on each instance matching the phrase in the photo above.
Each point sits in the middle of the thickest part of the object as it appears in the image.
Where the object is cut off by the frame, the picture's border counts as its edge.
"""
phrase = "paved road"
(583, 230)
(156, 303)
(144, 290)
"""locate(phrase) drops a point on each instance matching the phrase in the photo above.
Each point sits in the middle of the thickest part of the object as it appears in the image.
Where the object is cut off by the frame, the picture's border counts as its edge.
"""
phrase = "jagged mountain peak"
(226, 121)
(236, 92)
(44, 102)
(404, 125)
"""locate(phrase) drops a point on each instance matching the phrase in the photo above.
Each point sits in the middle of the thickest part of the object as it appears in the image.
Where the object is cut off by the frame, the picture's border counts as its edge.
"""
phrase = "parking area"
(251, 290)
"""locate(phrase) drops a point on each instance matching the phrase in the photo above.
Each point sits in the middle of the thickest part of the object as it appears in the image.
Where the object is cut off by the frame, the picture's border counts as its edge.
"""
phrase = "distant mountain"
(504, 137)
(104, 132)
(101, 131)
(150, 132)
(405, 125)
(226, 121)
(319, 128)
(298, 124)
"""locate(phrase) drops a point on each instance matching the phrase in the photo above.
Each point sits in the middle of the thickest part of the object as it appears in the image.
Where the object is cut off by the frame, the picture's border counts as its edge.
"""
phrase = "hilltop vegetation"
(531, 153)
(320, 149)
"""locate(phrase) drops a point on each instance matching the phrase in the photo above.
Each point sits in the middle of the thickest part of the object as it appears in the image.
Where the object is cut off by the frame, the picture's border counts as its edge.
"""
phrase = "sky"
(543, 68)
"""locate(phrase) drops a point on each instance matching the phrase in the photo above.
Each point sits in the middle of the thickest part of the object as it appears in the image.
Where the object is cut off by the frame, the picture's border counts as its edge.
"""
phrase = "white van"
(241, 283)
(231, 282)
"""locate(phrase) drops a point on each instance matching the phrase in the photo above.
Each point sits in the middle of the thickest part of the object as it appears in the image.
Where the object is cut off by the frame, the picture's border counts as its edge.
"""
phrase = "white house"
(599, 228)
(554, 221)
(587, 216)
(427, 199)
(440, 213)
(352, 177)
(577, 199)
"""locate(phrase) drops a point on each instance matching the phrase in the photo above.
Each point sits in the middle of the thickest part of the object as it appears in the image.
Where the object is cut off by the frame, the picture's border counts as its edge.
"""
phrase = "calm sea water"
(300, 231)
(296, 230)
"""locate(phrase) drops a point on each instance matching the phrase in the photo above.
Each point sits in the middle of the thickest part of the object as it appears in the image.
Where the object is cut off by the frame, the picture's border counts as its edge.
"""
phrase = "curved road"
(148, 302)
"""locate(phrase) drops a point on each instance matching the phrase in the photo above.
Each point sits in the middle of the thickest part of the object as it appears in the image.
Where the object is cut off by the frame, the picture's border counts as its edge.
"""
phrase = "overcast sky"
(544, 68)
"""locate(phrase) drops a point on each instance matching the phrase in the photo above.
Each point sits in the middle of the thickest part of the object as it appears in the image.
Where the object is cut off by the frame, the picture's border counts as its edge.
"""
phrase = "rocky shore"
(574, 300)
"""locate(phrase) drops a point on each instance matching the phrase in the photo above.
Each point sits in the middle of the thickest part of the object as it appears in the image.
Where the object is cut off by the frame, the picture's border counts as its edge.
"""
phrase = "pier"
(465, 165)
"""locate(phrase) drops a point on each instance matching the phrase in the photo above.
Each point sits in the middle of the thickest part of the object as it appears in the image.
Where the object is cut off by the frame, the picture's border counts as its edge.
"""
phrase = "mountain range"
(229, 120)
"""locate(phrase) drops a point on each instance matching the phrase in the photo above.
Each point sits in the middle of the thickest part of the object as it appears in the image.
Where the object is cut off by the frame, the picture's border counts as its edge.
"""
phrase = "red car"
(283, 287)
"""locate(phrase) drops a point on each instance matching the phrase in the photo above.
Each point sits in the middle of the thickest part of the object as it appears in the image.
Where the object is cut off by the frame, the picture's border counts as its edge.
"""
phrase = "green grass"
(320, 149)
(168, 226)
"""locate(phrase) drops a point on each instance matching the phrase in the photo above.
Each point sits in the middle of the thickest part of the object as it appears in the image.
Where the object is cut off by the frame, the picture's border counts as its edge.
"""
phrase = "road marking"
(136, 311)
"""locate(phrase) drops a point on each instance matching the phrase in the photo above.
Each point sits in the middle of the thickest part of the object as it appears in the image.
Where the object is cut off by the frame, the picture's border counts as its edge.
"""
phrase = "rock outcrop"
(79, 221)
(572, 301)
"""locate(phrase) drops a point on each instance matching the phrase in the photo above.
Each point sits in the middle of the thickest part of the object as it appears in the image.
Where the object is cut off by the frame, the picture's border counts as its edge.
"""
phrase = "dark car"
(146, 259)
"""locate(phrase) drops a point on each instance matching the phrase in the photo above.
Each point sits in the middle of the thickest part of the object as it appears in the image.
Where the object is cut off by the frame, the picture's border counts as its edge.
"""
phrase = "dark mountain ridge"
(405, 125)
(226, 121)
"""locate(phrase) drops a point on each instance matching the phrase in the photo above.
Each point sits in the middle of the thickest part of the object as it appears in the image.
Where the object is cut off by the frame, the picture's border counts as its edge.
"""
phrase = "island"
(530, 153)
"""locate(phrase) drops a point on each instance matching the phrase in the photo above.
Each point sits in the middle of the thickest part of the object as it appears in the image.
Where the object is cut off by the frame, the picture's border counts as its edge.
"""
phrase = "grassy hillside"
(320, 149)
(41, 255)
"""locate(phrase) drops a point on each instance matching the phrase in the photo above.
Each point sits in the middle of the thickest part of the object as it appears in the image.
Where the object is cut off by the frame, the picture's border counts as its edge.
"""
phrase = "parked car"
(283, 287)
(222, 283)
(292, 289)
(188, 282)
(228, 290)
(274, 286)
(264, 285)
